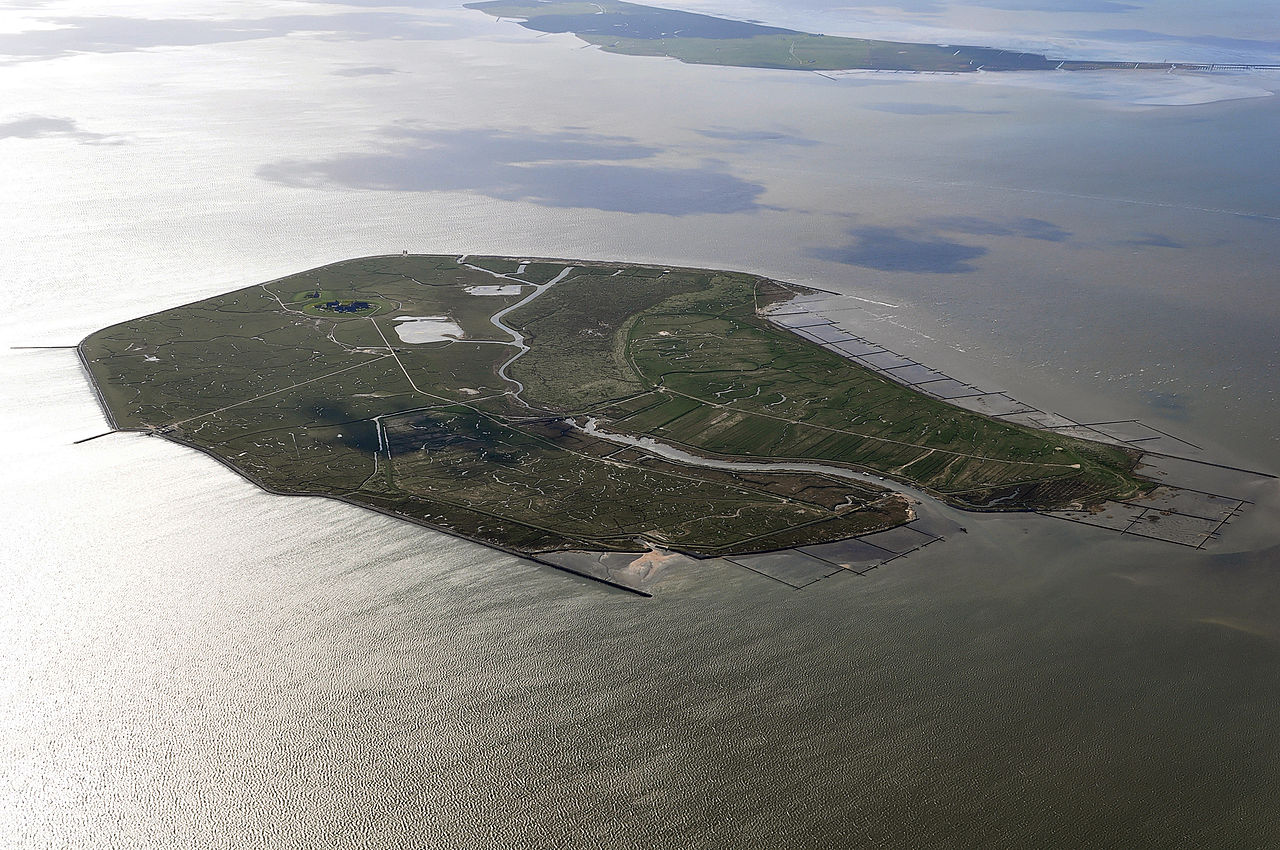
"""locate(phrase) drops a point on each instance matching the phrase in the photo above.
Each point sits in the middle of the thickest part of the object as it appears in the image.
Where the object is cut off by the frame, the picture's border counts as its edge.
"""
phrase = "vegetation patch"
(637, 30)
(483, 433)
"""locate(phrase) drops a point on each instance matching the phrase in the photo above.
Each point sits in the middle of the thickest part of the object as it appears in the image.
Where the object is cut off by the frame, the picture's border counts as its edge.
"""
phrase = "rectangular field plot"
(791, 567)
(797, 320)
(855, 554)
(1116, 516)
(937, 527)
(1084, 432)
(900, 540)
(1174, 528)
(1129, 432)
(807, 333)
(887, 360)
(1142, 436)
(830, 334)
(1030, 418)
(993, 404)
(1190, 503)
(857, 348)
(1186, 517)
(814, 298)
(1228, 482)
(916, 374)
(947, 389)
(1166, 443)
(1052, 421)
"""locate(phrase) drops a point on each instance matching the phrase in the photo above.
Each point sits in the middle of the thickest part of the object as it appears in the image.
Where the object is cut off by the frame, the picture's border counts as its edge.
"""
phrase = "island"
(541, 406)
(639, 30)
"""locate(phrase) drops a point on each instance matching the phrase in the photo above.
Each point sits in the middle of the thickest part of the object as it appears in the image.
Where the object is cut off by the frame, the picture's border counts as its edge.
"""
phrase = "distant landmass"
(638, 30)
(545, 406)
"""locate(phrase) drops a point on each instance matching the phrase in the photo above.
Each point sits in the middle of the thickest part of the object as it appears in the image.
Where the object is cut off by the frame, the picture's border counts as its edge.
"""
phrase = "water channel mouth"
(678, 455)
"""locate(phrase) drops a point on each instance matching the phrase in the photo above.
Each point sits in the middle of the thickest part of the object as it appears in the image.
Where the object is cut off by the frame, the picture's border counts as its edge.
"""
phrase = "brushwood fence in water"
(1172, 513)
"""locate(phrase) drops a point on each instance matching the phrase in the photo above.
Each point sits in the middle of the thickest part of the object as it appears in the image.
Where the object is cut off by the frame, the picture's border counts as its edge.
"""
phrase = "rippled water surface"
(190, 662)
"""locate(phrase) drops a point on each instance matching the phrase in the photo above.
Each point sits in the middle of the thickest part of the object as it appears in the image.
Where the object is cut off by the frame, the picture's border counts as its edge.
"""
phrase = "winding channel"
(517, 338)
(669, 452)
(680, 456)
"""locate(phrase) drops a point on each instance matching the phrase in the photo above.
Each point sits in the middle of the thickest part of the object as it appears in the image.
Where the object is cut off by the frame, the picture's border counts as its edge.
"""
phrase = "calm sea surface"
(189, 662)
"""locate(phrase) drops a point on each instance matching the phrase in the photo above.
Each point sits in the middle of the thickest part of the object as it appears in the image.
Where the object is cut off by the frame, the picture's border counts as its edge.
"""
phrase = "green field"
(336, 403)
(638, 30)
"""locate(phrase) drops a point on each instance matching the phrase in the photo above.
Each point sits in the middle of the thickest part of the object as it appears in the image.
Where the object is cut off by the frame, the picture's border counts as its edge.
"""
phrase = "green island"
(637, 30)
(552, 405)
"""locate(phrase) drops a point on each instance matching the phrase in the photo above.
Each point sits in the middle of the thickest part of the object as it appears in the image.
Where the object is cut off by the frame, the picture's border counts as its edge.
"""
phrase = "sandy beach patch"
(420, 329)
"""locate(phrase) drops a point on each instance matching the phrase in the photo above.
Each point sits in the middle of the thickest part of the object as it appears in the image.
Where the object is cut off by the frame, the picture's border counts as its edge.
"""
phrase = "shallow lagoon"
(419, 329)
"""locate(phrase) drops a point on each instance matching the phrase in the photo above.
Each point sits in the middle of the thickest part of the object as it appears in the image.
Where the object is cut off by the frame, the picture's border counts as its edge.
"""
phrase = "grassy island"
(540, 405)
(638, 30)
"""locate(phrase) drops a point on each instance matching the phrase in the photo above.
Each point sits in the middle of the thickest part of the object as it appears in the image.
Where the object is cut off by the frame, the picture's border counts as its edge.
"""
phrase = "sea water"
(191, 662)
